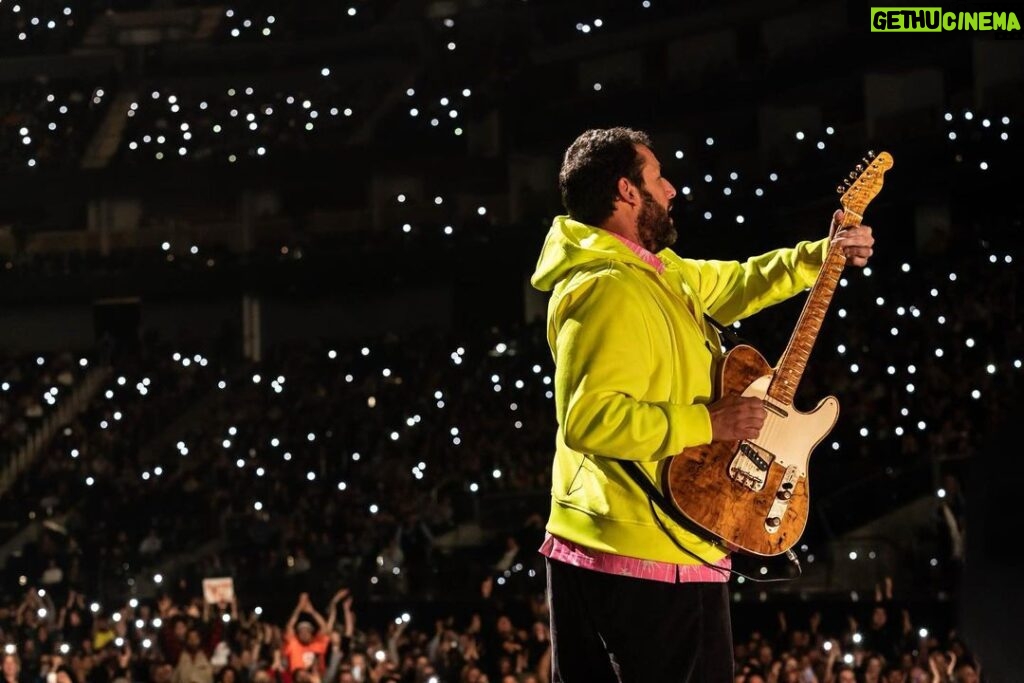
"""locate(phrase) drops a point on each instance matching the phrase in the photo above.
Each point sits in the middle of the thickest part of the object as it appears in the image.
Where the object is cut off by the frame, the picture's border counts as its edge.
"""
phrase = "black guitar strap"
(653, 492)
(727, 333)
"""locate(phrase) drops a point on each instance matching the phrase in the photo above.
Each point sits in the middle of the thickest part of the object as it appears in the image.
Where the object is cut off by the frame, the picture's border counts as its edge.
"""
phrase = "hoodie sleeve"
(603, 359)
(732, 291)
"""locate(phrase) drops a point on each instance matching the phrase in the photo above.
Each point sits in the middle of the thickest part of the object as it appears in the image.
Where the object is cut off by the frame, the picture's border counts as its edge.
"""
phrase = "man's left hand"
(855, 241)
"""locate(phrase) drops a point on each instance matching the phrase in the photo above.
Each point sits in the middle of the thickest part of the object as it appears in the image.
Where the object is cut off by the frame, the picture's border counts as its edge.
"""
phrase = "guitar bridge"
(755, 457)
(749, 467)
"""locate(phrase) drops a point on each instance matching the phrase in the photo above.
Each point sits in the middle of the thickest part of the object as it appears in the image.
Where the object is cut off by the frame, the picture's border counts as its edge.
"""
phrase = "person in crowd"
(305, 643)
(193, 664)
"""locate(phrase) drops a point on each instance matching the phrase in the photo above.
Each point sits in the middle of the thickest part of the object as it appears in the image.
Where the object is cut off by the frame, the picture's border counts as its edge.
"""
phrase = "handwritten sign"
(219, 589)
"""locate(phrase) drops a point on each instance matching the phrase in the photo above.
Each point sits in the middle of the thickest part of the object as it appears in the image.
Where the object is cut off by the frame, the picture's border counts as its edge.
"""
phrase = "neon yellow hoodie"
(633, 372)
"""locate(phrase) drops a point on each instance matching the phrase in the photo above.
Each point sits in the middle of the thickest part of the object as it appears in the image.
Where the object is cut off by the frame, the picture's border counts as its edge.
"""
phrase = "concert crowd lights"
(342, 138)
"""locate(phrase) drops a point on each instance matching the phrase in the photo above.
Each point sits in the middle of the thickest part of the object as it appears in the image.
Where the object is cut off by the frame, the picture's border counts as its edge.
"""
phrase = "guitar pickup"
(754, 457)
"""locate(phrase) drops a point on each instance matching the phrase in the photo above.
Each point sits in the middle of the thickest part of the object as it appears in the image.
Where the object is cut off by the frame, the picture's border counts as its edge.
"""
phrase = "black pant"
(618, 629)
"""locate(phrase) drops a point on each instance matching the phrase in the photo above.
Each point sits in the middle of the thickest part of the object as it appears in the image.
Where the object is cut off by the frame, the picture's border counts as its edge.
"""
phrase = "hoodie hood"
(570, 244)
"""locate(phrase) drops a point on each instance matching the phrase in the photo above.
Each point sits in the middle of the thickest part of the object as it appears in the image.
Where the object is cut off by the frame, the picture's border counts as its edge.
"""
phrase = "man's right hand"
(735, 418)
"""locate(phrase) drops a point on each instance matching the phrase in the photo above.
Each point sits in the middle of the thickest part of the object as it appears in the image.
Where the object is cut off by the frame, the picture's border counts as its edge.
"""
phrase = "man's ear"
(628, 192)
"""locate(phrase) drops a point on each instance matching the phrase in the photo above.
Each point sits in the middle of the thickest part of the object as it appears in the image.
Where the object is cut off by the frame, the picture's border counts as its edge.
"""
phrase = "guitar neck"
(791, 367)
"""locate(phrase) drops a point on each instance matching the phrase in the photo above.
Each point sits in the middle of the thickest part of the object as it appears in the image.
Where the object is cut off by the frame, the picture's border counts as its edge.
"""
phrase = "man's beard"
(654, 227)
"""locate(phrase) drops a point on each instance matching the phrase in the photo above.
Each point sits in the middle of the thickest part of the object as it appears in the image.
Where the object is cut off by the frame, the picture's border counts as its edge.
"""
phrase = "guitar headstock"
(865, 182)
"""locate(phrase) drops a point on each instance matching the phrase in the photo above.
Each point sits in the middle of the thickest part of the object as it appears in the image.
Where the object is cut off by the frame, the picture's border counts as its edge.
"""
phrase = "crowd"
(183, 636)
(378, 502)
(32, 386)
(49, 122)
(359, 459)
(357, 464)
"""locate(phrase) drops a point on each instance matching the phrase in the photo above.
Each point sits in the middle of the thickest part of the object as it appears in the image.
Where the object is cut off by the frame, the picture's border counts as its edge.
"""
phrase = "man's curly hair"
(592, 167)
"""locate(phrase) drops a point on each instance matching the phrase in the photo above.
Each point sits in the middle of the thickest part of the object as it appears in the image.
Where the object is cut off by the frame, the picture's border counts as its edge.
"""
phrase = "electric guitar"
(753, 495)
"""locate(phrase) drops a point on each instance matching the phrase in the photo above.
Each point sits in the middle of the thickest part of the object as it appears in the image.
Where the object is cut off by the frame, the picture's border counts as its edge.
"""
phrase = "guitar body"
(753, 495)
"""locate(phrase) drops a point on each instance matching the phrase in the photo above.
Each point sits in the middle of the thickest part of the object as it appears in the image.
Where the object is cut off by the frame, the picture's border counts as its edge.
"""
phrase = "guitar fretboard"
(794, 359)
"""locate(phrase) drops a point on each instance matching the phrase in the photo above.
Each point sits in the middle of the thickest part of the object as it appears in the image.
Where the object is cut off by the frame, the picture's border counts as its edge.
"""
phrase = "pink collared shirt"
(646, 256)
(561, 550)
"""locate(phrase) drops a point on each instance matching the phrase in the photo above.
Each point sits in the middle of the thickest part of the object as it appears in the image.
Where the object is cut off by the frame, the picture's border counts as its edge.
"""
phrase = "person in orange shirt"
(305, 644)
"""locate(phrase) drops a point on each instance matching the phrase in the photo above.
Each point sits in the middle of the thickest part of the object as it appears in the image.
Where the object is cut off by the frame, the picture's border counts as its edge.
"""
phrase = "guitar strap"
(637, 474)
(727, 333)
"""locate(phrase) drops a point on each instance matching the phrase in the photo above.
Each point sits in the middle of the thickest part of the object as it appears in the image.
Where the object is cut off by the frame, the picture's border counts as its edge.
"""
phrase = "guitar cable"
(790, 555)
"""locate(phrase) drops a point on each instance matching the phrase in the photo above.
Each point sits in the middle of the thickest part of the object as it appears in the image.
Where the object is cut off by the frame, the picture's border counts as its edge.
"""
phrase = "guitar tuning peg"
(871, 154)
(840, 189)
(859, 168)
(853, 176)
(846, 181)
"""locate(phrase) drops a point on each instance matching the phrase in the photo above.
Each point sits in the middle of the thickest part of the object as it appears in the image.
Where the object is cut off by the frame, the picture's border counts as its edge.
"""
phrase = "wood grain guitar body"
(752, 495)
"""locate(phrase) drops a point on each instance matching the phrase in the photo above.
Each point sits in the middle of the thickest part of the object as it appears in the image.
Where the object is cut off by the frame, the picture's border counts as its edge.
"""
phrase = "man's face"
(655, 227)
(305, 633)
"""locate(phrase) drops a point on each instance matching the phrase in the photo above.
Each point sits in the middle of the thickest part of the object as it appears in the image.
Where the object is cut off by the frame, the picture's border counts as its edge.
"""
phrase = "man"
(633, 381)
(305, 645)
(193, 664)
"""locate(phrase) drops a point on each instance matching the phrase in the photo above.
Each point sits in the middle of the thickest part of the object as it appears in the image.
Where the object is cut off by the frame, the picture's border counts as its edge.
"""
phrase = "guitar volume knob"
(784, 494)
(773, 521)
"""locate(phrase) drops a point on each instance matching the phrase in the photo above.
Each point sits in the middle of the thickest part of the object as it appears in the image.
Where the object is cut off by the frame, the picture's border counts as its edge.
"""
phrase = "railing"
(38, 439)
(32, 447)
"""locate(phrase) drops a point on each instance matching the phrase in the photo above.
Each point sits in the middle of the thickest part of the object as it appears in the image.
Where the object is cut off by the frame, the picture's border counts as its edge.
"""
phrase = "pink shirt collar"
(646, 256)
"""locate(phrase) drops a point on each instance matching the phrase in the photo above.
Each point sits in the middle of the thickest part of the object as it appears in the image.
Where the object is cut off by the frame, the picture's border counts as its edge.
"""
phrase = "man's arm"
(350, 617)
(289, 628)
(732, 291)
(600, 323)
(332, 610)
